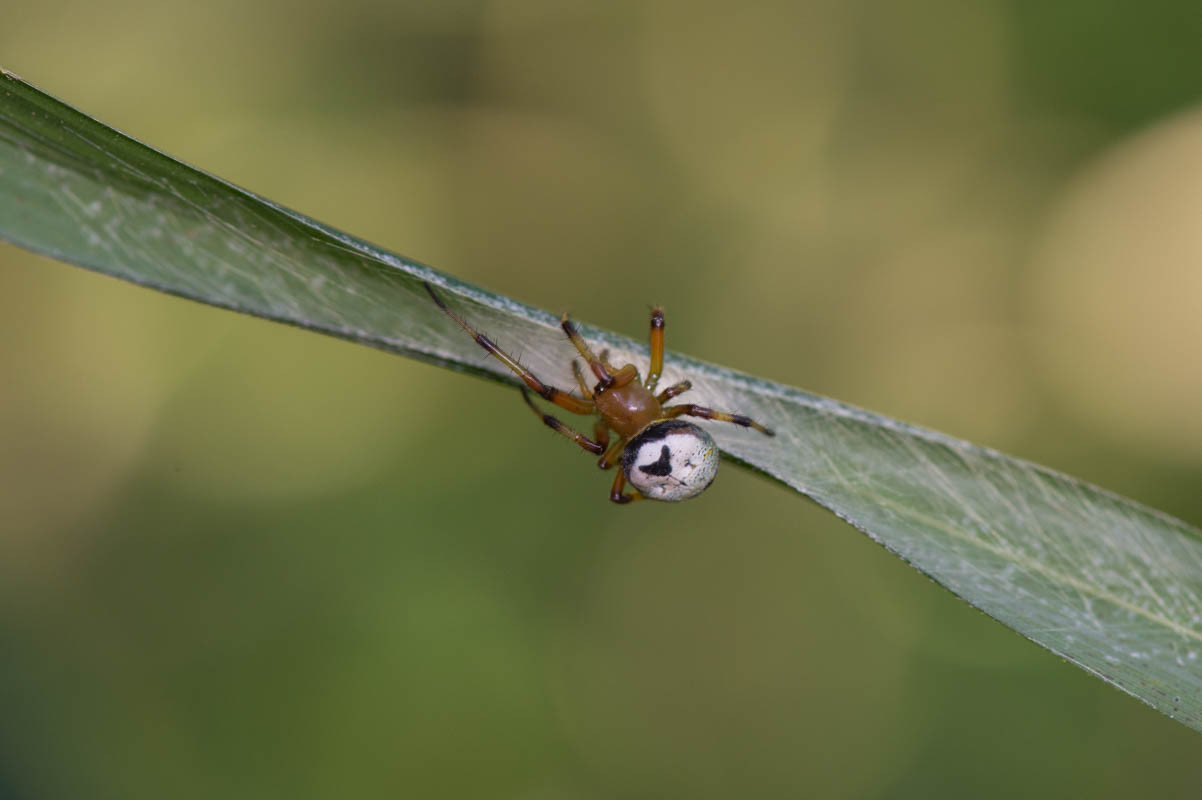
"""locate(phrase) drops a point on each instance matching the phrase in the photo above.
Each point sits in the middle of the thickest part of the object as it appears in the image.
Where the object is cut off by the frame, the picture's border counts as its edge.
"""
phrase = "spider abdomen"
(671, 460)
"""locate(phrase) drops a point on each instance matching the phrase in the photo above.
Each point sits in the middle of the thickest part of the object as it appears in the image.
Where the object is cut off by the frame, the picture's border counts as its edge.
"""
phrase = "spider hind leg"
(617, 495)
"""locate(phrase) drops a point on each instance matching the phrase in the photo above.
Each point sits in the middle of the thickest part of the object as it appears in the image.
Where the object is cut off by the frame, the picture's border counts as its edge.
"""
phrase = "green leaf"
(1103, 581)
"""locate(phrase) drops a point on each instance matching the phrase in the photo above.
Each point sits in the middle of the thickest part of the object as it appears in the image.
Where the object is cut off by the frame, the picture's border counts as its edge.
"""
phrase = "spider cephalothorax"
(663, 457)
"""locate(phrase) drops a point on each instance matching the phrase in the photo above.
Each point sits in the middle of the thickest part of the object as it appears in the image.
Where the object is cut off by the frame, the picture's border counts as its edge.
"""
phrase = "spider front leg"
(657, 348)
(608, 377)
(596, 448)
(604, 379)
(580, 381)
(708, 413)
(550, 393)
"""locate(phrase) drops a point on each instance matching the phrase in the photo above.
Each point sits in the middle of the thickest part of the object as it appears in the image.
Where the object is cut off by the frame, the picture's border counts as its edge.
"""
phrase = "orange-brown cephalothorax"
(628, 409)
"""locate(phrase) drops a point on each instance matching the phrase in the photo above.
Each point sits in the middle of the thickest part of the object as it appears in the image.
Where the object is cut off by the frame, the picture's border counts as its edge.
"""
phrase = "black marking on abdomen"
(662, 467)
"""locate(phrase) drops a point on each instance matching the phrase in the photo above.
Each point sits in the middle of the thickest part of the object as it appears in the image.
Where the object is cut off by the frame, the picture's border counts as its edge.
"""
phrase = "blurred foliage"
(242, 559)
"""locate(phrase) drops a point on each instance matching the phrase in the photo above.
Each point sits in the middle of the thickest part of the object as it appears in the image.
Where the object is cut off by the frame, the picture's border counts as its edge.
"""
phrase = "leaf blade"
(1103, 581)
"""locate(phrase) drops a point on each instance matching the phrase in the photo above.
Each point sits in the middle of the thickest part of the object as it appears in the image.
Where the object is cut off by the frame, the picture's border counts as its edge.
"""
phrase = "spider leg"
(587, 392)
(550, 393)
(615, 491)
(657, 348)
(709, 413)
(596, 448)
(673, 390)
(604, 379)
(601, 432)
(612, 454)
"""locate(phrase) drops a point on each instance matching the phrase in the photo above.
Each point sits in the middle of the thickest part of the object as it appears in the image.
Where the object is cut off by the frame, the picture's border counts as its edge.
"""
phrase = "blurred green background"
(242, 560)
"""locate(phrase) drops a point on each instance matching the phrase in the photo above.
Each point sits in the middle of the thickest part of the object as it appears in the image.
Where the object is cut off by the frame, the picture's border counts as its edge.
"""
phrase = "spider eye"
(671, 460)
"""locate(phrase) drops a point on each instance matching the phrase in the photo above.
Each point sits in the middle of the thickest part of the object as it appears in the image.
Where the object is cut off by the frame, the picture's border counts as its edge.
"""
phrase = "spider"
(663, 457)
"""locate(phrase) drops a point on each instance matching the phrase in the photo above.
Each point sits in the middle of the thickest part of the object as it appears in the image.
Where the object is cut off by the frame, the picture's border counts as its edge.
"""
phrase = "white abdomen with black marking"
(671, 460)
